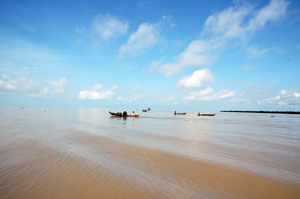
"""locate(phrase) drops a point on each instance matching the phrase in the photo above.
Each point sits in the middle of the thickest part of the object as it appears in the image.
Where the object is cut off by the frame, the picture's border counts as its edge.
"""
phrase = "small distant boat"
(121, 115)
(144, 110)
(206, 114)
(149, 109)
(178, 113)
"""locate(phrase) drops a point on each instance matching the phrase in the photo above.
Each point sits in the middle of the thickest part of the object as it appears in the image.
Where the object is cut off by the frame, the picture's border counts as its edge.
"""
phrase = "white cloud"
(236, 24)
(60, 86)
(154, 65)
(31, 87)
(252, 94)
(227, 24)
(107, 26)
(208, 95)
(286, 98)
(197, 79)
(97, 87)
(131, 97)
(240, 100)
(225, 94)
(42, 93)
(146, 37)
(254, 53)
(115, 87)
(27, 84)
(242, 21)
(166, 20)
(200, 94)
(194, 55)
(133, 94)
(95, 93)
(6, 86)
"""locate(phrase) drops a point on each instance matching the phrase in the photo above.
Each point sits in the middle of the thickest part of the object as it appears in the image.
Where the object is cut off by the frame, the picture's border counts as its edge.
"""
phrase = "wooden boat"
(207, 114)
(121, 115)
(144, 110)
(180, 113)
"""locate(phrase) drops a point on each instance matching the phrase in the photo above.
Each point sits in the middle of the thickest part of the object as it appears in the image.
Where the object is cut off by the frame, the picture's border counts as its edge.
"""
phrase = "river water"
(56, 152)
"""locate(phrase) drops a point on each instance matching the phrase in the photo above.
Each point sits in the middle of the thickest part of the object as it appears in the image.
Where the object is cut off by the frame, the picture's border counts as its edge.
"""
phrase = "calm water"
(48, 152)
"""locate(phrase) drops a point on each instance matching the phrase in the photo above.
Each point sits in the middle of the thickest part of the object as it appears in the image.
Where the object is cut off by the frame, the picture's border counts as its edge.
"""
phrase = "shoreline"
(273, 112)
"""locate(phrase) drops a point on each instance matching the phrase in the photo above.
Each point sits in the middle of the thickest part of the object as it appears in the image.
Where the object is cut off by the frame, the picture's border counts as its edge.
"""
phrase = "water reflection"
(259, 143)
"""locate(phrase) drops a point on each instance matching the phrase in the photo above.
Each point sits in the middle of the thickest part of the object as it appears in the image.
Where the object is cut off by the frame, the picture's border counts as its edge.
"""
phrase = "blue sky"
(167, 55)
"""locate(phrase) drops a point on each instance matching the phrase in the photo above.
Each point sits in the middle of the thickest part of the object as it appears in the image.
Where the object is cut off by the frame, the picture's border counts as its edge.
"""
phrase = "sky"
(167, 55)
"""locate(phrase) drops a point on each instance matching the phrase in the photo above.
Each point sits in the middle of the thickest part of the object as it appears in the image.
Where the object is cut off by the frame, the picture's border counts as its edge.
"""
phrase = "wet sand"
(79, 163)
(34, 170)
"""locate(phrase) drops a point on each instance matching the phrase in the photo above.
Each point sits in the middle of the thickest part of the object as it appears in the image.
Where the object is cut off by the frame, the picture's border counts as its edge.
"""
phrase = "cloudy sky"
(168, 55)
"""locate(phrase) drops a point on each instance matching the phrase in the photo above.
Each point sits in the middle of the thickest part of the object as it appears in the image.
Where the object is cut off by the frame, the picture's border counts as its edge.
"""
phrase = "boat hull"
(121, 115)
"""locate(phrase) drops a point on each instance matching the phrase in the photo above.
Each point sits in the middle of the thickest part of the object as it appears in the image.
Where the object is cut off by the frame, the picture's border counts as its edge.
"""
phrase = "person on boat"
(175, 113)
(133, 114)
(124, 113)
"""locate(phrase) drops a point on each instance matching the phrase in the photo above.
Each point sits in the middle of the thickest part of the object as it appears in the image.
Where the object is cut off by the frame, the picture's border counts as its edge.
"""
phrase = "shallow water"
(54, 152)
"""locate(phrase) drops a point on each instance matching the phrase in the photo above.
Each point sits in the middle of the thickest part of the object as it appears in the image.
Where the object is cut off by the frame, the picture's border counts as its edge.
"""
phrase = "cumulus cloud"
(194, 55)
(31, 87)
(107, 26)
(236, 25)
(96, 93)
(285, 98)
(146, 37)
(197, 79)
(41, 93)
(60, 86)
(6, 84)
(208, 94)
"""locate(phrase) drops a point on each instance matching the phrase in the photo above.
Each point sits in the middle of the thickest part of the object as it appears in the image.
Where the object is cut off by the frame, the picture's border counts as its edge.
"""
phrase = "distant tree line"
(275, 112)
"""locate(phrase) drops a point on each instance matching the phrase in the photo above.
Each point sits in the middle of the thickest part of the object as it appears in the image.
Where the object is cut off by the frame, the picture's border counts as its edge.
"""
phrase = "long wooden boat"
(121, 115)
(207, 114)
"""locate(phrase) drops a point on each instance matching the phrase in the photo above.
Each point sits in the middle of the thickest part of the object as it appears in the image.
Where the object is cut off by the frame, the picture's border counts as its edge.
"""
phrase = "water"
(54, 152)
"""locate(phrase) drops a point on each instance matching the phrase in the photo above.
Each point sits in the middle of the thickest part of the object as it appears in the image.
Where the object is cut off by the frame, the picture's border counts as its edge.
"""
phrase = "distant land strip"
(275, 112)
